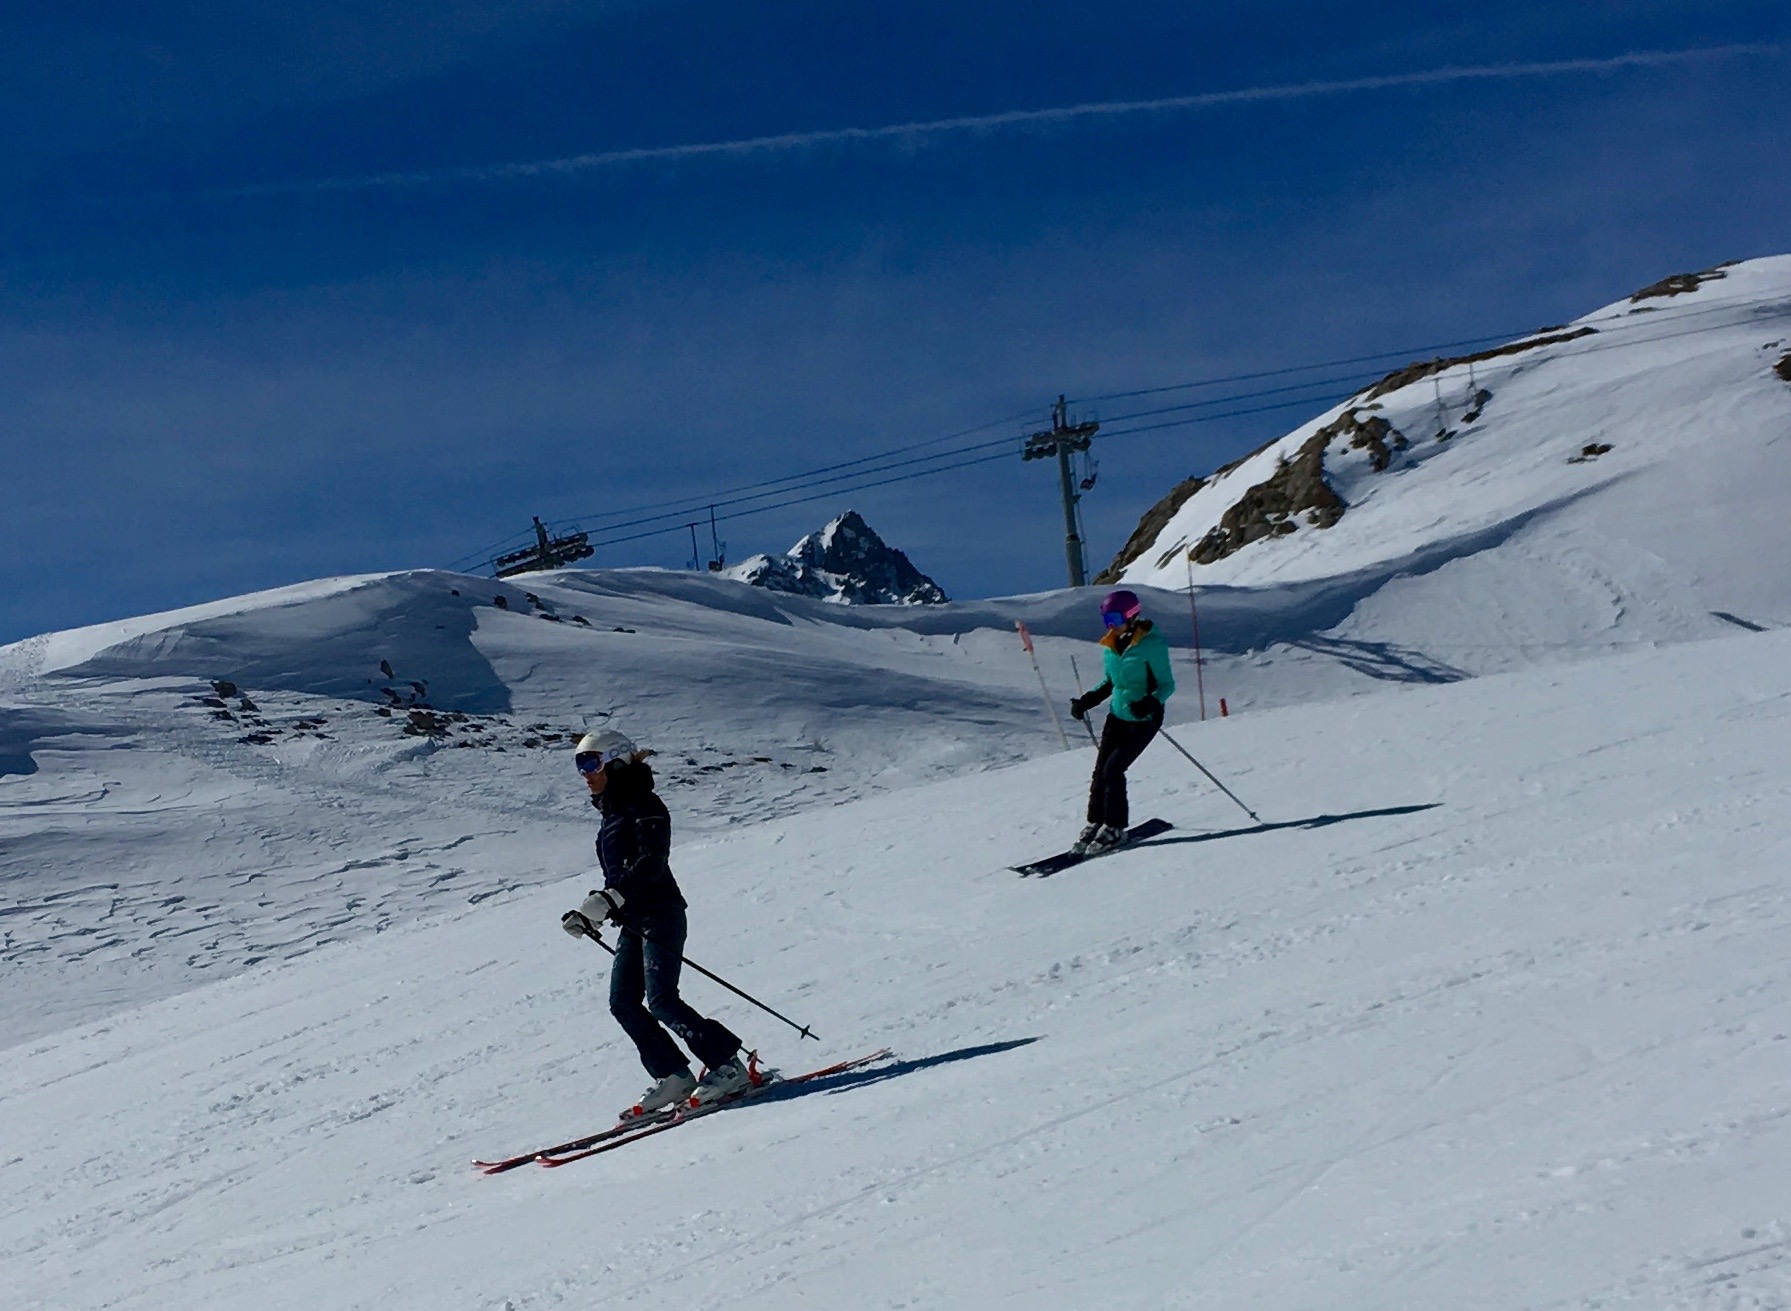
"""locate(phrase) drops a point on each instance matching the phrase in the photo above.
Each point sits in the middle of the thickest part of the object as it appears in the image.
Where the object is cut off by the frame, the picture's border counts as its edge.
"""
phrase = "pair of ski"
(635, 1127)
(1044, 869)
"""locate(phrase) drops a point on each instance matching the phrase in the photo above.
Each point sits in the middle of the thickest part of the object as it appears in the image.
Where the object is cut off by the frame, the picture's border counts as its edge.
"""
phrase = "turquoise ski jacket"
(1136, 667)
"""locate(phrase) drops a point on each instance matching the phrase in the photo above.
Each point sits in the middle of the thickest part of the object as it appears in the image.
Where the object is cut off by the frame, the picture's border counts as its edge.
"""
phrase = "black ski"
(1044, 869)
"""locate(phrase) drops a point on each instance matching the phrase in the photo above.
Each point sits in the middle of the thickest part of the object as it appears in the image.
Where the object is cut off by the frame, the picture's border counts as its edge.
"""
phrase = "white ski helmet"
(605, 745)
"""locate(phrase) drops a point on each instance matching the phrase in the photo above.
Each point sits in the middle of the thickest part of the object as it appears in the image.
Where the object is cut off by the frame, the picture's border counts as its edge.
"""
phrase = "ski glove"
(1147, 707)
(1080, 707)
(603, 904)
(577, 925)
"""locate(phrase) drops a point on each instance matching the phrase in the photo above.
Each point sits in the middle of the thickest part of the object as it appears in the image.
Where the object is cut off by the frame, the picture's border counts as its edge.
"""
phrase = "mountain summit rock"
(846, 562)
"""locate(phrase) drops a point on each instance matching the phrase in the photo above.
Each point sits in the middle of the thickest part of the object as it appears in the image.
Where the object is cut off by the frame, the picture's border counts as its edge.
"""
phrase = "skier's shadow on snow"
(860, 1078)
(1316, 821)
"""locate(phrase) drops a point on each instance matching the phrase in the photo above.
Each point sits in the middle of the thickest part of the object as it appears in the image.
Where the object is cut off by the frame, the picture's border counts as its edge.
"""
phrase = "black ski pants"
(648, 958)
(1122, 742)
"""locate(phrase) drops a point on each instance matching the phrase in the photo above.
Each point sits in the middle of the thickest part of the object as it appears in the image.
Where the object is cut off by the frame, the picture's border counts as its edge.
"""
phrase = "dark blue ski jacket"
(634, 844)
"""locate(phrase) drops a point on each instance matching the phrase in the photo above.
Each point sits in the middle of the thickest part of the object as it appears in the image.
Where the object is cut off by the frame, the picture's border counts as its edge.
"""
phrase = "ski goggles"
(589, 762)
(1115, 618)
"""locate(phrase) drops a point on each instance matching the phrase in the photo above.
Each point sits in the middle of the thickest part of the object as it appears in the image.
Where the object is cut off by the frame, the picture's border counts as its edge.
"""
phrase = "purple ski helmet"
(1120, 607)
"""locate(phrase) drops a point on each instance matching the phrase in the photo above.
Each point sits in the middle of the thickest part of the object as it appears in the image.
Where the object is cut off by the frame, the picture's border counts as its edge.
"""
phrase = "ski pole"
(596, 937)
(1209, 773)
(1026, 641)
(1079, 692)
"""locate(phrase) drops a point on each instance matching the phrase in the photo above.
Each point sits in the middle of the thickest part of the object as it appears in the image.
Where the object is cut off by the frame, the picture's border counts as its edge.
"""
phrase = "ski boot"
(1105, 838)
(728, 1079)
(669, 1091)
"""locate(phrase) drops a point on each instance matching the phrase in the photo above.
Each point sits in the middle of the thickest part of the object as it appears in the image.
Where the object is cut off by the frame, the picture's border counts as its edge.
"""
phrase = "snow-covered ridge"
(1650, 431)
(844, 562)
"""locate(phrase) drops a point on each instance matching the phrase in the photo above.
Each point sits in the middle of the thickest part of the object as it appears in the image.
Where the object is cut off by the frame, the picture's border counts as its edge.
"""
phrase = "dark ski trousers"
(646, 970)
(1122, 742)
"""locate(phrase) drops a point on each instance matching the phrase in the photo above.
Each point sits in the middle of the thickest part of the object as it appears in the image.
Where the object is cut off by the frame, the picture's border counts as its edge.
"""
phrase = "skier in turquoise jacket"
(1135, 659)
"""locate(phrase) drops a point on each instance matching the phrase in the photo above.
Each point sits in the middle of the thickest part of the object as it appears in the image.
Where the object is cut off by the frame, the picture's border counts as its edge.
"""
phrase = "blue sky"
(231, 356)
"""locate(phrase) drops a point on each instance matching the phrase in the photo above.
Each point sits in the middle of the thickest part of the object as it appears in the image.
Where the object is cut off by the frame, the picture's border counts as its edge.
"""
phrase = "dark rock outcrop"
(1678, 284)
(1298, 487)
(1155, 520)
(1268, 509)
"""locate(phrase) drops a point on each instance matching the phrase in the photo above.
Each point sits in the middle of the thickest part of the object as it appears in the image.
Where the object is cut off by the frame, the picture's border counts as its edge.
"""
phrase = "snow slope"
(154, 834)
(1507, 542)
(1493, 1012)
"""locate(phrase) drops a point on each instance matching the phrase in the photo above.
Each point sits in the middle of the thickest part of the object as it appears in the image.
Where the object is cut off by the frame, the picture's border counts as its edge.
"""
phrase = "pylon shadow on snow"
(859, 1078)
(1316, 821)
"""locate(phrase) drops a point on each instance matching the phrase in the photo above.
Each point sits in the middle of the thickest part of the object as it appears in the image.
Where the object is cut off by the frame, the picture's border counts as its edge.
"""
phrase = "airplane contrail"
(920, 131)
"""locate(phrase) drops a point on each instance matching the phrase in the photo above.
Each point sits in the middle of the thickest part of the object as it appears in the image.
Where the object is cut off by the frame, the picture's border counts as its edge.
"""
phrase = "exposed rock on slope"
(1625, 465)
(1149, 529)
(1421, 369)
(846, 562)
(1678, 284)
(1298, 487)
(1268, 509)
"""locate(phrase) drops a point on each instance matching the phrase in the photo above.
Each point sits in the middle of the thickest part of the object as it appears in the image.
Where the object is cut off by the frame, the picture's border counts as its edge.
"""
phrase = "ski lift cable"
(685, 504)
(881, 464)
(1417, 352)
(923, 473)
(847, 471)
(809, 496)
(678, 516)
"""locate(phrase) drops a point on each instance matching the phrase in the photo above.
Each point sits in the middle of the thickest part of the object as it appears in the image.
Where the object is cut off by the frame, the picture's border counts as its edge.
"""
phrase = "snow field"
(1493, 1013)
(149, 841)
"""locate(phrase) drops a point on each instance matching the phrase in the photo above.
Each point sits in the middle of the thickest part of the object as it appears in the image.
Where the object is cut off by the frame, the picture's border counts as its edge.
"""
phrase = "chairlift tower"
(1062, 440)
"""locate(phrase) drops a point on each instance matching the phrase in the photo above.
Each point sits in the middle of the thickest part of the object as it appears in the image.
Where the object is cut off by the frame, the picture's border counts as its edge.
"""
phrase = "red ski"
(631, 1120)
(634, 1131)
(622, 1126)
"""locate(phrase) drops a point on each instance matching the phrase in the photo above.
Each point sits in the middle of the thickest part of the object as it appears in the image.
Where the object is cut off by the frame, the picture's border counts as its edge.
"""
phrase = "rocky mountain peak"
(845, 562)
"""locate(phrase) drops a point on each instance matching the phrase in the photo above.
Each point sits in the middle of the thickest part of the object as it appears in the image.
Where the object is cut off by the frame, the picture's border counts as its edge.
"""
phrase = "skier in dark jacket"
(1135, 659)
(634, 845)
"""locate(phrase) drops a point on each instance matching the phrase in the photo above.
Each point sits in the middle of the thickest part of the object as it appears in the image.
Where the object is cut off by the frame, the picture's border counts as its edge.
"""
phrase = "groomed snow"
(1493, 1013)
(148, 841)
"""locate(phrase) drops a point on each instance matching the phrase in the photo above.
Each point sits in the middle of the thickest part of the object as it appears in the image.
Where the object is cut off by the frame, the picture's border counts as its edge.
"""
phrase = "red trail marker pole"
(1026, 641)
(1194, 616)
